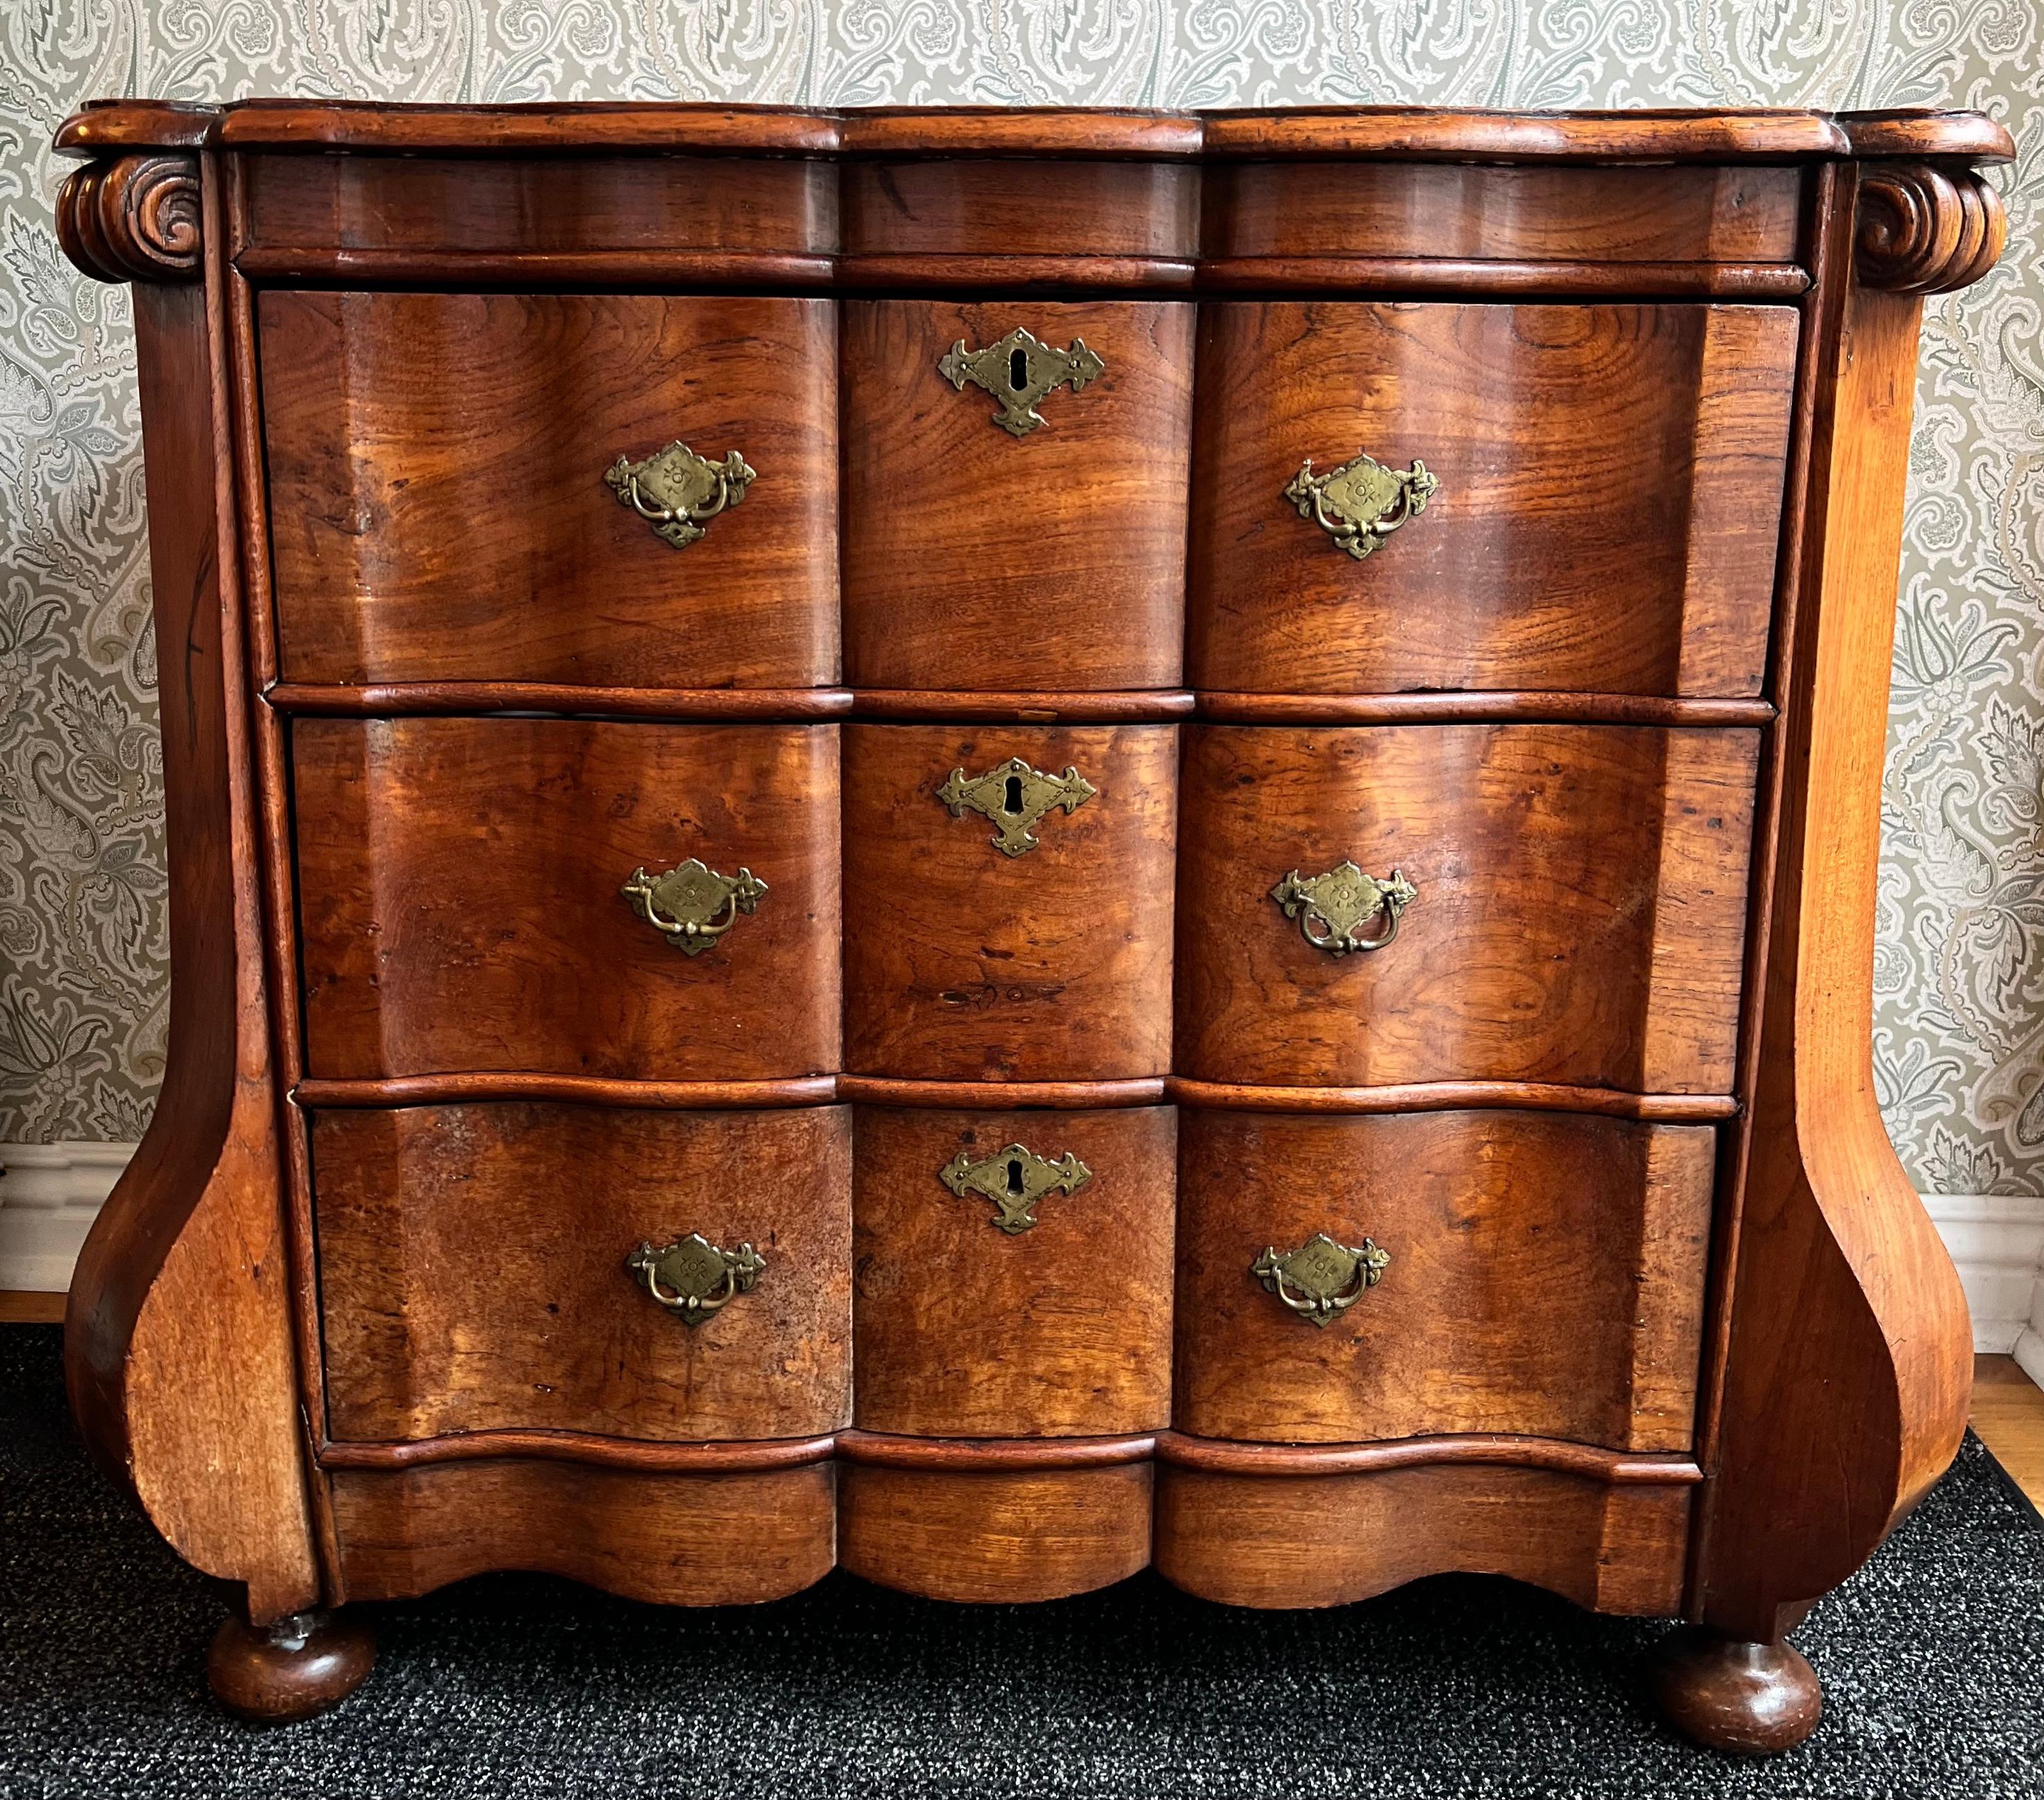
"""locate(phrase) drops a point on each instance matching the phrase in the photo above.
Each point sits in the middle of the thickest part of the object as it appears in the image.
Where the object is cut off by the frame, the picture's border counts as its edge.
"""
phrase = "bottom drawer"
(473, 1273)
(1545, 1277)
(1013, 1271)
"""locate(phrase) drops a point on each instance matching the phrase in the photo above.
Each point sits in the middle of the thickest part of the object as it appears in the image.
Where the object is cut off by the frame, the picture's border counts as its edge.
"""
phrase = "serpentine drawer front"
(438, 504)
(990, 847)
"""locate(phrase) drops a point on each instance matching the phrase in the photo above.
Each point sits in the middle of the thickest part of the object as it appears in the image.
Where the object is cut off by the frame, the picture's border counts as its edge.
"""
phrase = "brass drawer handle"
(678, 492)
(1362, 502)
(1019, 371)
(693, 1278)
(1014, 1178)
(1015, 797)
(692, 906)
(1333, 909)
(1321, 1279)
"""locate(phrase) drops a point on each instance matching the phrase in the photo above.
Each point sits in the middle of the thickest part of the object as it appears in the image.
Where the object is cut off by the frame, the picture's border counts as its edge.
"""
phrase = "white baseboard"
(49, 1194)
(1997, 1242)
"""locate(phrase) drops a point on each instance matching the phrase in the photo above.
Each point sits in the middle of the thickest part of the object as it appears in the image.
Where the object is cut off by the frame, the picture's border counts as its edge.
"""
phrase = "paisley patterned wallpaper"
(1959, 1040)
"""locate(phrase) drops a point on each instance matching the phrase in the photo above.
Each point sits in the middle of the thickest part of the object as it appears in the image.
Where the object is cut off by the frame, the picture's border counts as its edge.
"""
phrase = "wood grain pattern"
(1546, 1277)
(178, 1356)
(1610, 482)
(1323, 1541)
(541, 204)
(458, 884)
(547, 1445)
(995, 1536)
(1423, 133)
(1848, 1330)
(437, 505)
(962, 1330)
(962, 963)
(677, 1539)
(974, 558)
(1434, 1096)
(1581, 911)
(1469, 279)
(467, 699)
(472, 1276)
(1488, 213)
(1002, 207)
(1219, 1456)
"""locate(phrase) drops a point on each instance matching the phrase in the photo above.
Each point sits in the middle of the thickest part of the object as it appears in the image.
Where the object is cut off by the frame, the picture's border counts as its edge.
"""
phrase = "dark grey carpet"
(1933, 1660)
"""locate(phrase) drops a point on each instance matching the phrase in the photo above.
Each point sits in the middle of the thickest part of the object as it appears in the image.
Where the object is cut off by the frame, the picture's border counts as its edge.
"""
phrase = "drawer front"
(439, 509)
(1576, 913)
(972, 952)
(1545, 1277)
(1013, 1271)
(474, 1271)
(1047, 556)
(1607, 497)
(462, 903)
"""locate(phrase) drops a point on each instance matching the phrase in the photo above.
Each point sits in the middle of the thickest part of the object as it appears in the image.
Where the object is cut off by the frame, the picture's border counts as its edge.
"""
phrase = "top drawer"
(1602, 492)
(439, 506)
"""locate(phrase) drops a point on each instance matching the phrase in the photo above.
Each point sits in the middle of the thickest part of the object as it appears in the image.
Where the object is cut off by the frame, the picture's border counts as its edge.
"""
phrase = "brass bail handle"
(1322, 1279)
(678, 492)
(692, 906)
(694, 1279)
(1362, 502)
(1344, 909)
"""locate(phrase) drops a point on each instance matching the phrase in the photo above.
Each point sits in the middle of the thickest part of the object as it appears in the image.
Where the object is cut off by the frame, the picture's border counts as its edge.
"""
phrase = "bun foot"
(289, 1671)
(1727, 1694)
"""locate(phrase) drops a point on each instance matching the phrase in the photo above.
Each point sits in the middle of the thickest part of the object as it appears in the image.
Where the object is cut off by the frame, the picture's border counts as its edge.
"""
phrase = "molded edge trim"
(1159, 706)
(1390, 133)
(1592, 1461)
(1450, 274)
(544, 1446)
(1001, 1096)
(376, 699)
(1479, 707)
(1447, 1096)
(888, 1450)
(586, 1090)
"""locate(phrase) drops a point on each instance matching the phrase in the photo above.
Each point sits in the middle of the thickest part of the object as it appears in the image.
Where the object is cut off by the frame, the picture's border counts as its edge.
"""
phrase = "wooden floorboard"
(18, 1308)
(2008, 1414)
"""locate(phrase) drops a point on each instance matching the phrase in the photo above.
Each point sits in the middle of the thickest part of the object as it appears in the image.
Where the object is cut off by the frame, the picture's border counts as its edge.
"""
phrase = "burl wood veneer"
(1292, 1007)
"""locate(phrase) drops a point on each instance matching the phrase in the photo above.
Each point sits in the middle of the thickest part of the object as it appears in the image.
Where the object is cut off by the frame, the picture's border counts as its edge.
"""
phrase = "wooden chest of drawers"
(994, 847)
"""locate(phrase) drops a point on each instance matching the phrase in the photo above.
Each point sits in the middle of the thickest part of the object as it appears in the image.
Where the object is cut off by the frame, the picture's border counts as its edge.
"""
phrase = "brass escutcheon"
(1014, 1178)
(693, 1278)
(1018, 371)
(1321, 1279)
(692, 906)
(1362, 502)
(1332, 909)
(678, 492)
(1015, 797)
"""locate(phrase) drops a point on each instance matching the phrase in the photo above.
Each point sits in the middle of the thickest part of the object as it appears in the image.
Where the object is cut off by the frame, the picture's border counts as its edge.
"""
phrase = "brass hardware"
(677, 491)
(1015, 797)
(1321, 1279)
(1014, 1179)
(1342, 901)
(1362, 502)
(1018, 371)
(693, 1278)
(692, 906)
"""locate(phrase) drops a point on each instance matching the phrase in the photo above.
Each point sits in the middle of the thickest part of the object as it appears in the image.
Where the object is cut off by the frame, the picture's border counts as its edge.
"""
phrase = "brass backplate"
(692, 906)
(1014, 1178)
(1019, 371)
(678, 492)
(1015, 797)
(693, 1278)
(1322, 1279)
(1362, 502)
(1334, 909)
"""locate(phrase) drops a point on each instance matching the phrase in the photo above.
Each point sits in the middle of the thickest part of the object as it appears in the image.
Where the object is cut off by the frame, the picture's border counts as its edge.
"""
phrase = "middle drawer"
(1009, 901)
(567, 897)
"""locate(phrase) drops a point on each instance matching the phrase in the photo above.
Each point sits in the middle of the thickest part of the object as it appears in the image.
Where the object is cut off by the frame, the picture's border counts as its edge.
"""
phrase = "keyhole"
(1013, 801)
(1018, 370)
(1015, 1175)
